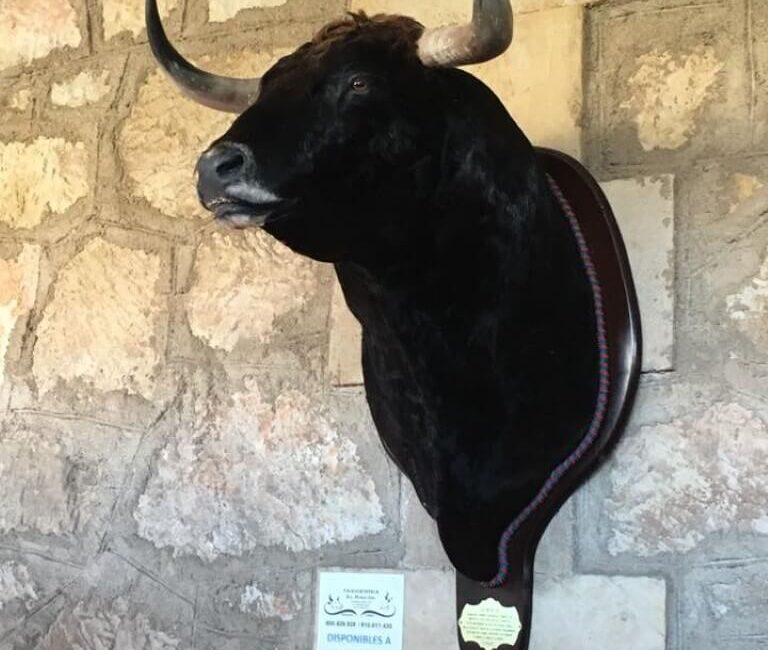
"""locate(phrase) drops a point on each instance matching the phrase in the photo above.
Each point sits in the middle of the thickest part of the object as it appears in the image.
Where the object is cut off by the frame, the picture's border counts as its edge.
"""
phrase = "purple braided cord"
(602, 395)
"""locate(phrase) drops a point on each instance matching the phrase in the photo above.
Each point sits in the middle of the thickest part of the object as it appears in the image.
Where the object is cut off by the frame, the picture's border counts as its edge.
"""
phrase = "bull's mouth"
(243, 214)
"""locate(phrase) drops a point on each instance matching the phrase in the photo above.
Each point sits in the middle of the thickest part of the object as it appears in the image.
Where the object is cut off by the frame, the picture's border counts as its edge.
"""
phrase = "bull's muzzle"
(228, 186)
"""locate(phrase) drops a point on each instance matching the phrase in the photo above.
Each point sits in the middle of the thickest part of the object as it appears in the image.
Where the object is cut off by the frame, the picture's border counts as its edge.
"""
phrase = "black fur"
(479, 334)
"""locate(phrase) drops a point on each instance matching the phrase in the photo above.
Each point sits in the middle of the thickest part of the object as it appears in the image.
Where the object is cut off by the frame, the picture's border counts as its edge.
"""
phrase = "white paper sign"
(360, 611)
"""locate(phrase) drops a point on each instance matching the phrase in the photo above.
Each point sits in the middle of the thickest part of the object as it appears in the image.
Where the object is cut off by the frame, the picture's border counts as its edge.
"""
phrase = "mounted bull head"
(413, 179)
(485, 347)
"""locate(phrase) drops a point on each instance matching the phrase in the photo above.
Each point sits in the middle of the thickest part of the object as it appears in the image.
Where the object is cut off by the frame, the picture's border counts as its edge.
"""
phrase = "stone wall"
(184, 439)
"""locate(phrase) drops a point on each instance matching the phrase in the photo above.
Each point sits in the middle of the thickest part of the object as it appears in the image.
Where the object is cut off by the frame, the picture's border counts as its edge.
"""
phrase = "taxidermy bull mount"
(501, 337)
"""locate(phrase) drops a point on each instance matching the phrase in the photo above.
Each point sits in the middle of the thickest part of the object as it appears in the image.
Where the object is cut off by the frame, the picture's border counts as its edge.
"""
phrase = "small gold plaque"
(490, 624)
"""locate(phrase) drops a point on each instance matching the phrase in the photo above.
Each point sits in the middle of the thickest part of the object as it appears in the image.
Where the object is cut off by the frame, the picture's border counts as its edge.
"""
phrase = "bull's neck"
(466, 263)
(475, 243)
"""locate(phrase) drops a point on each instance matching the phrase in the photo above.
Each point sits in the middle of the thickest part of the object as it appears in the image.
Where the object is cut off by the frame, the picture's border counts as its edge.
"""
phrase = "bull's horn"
(486, 37)
(213, 91)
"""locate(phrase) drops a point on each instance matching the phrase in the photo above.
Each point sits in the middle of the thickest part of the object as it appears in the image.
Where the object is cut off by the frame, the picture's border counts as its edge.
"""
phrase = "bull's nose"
(221, 166)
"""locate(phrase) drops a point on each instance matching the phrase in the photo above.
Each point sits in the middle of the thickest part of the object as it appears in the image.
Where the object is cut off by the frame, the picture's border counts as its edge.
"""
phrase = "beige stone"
(668, 92)
(222, 10)
(743, 187)
(645, 210)
(165, 134)
(32, 30)
(677, 482)
(430, 14)
(109, 625)
(523, 6)
(451, 11)
(263, 604)
(539, 78)
(344, 351)
(748, 307)
(423, 548)
(21, 100)
(87, 87)
(430, 612)
(16, 584)
(256, 473)
(555, 553)
(103, 324)
(599, 612)
(242, 285)
(18, 288)
(48, 175)
(57, 482)
(128, 15)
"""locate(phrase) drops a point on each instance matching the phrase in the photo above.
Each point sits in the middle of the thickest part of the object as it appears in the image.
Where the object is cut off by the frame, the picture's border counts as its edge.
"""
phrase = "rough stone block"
(599, 612)
(90, 625)
(683, 475)
(29, 584)
(21, 100)
(724, 604)
(554, 557)
(432, 14)
(250, 472)
(542, 68)
(423, 548)
(165, 134)
(87, 87)
(252, 599)
(676, 482)
(524, 6)
(127, 15)
(722, 242)
(57, 478)
(16, 584)
(726, 243)
(18, 290)
(672, 81)
(453, 11)
(264, 604)
(110, 604)
(747, 307)
(32, 30)
(47, 175)
(243, 286)
(222, 10)
(105, 323)
(344, 350)
(758, 33)
(430, 611)
(645, 211)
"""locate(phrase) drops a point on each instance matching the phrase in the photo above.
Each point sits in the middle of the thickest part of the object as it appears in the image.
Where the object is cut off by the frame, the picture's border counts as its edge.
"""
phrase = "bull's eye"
(360, 86)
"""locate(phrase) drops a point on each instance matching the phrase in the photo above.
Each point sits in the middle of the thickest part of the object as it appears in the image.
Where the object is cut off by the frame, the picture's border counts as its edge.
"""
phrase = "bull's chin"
(242, 215)
(244, 220)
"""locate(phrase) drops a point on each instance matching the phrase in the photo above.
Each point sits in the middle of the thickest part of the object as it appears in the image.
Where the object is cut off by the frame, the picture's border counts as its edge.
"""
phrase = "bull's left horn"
(486, 37)
(213, 91)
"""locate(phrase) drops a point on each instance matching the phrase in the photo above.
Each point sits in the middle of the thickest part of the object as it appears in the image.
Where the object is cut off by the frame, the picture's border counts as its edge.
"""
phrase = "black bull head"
(367, 148)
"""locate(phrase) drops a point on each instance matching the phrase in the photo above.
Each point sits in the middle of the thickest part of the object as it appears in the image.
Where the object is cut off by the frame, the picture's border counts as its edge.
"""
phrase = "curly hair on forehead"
(401, 32)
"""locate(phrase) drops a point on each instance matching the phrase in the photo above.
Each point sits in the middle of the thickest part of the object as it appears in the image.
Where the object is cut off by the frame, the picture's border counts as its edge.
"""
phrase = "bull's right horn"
(486, 37)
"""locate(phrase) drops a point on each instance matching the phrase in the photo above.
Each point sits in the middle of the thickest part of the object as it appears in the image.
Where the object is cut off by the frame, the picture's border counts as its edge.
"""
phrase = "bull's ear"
(486, 37)
(214, 91)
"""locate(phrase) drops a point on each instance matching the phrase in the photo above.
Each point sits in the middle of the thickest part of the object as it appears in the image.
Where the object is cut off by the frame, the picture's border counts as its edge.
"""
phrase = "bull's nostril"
(232, 163)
